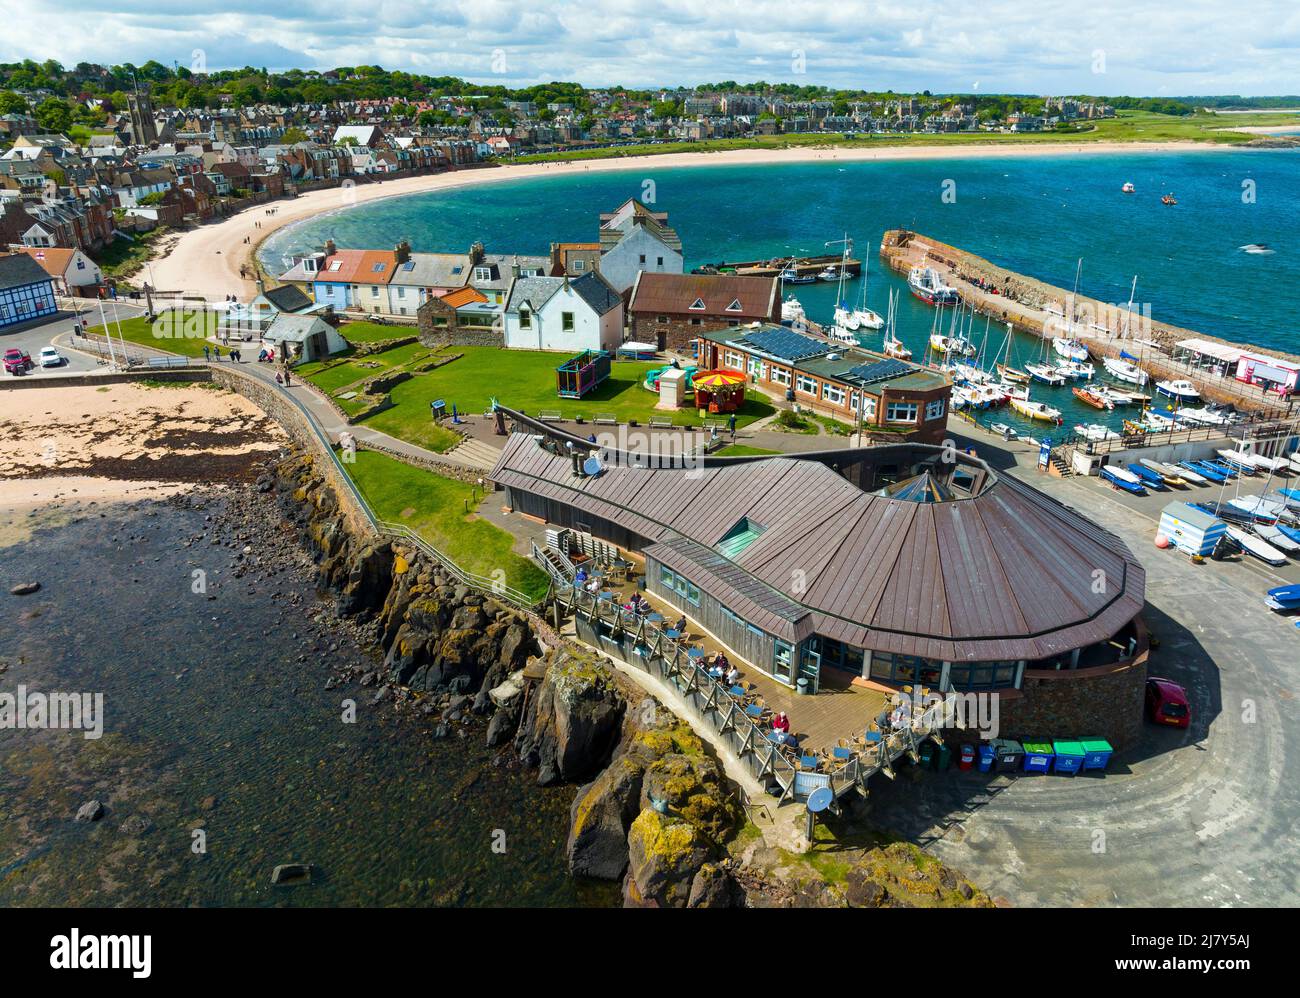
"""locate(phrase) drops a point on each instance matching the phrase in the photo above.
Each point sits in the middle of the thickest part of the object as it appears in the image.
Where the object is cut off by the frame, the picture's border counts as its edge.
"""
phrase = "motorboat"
(1108, 394)
(1045, 373)
(1076, 370)
(1036, 410)
(792, 310)
(1205, 416)
(1168, 199)
(1094, 399)
(839, 334)
(1096, 431)
(1255, 546)
(1006, 431)
(1070, 349)
(1180, 389)
(1122, 478)
(1128, 188)
(925, 284)
(1123, 370)
(792, 276)
(830, 275)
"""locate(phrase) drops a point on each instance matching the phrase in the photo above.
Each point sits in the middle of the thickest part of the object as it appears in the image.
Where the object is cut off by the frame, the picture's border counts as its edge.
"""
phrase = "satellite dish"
(820, 799)
(592, 467)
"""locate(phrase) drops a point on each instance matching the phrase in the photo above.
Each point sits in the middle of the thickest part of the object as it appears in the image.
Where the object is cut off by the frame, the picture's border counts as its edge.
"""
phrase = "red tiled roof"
(674, 294)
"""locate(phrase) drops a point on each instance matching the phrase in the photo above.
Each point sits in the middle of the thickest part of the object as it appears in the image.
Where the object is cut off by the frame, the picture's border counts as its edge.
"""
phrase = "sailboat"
(846, 321)
(863, 315)
(1035, 410)
(893, 345)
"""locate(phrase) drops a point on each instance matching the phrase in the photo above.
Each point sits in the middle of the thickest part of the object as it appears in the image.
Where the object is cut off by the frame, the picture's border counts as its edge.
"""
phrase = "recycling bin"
(1096, 753)
(988, 756)
(967, 758)
(943, 759)
(1069, 757)
(1009, 755)
(927, 754)
(1038, 757)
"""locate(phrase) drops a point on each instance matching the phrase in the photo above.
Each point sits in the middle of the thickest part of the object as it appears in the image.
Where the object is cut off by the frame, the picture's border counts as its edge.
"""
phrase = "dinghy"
(1274, 536)
(1151, 479)
(1255, 547)
(1198, 469)
(1283, 598)
(1170, 474)
(1122, 478)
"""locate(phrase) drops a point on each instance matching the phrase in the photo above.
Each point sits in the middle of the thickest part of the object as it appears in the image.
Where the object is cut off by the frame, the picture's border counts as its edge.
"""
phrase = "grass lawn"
(331, 379)
(525, 380)
(434, 507)
(139, 330)
(123, 257)
(742, 450)
(373, 332)
(1127, 126)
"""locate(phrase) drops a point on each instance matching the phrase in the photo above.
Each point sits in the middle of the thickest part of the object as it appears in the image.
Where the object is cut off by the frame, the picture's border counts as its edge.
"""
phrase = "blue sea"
(1035, 215)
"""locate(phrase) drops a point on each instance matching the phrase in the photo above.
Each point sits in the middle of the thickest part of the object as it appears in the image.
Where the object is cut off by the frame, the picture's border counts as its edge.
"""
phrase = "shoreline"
(189, 267)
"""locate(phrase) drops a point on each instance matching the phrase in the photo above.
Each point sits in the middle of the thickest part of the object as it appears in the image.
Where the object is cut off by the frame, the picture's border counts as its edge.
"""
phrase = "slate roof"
(20, 270)
(433, 270)
(674, 294)
(1007, 574)
(288, 298)
(596, 292)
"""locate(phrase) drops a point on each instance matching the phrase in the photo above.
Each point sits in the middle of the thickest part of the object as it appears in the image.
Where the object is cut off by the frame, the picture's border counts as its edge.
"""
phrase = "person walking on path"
(731, 425)
(206, 352)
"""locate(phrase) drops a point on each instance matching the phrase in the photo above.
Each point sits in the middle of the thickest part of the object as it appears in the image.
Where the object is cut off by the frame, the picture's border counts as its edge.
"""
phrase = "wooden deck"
(839, 710)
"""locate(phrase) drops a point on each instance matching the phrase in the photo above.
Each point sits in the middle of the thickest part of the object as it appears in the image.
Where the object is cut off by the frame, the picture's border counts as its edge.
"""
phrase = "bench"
(157, 362)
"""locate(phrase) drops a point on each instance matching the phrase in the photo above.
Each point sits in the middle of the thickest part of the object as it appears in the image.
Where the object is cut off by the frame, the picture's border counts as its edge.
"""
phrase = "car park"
(17, 361)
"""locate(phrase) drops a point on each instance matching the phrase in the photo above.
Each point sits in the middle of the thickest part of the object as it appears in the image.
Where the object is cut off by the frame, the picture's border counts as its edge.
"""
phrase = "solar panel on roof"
(866, 374)
(784, 343)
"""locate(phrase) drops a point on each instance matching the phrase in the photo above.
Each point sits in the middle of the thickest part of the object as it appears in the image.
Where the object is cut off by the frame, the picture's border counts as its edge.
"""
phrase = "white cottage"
(559, 313)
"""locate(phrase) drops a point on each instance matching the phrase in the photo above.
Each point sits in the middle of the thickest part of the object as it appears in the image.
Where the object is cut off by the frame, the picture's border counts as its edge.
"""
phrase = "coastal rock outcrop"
(570, 733)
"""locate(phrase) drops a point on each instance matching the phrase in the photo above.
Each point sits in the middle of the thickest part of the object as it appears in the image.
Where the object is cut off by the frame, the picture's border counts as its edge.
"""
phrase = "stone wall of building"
(676, 333)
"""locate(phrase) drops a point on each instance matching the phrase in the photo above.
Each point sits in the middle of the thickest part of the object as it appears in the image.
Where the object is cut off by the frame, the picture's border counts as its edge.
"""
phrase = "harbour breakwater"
(1044, 311)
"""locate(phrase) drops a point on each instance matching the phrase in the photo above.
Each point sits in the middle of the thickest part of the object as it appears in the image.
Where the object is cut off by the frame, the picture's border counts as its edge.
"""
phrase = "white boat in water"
(1070, 349)
(863, 317)
(958, 345)
(1076, 370)
(1095, 431)
(1180, 389)
(792, 310)
(1122, 370)
(1255, 546)
(1045, 373)
(1008, 432)
(893, 345)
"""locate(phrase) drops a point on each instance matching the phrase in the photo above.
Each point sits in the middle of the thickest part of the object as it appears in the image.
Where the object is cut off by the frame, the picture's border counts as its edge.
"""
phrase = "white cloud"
(1249, 47)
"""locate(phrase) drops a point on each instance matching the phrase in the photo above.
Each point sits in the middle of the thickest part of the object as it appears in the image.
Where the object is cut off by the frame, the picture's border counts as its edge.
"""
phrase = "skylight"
(739, 537)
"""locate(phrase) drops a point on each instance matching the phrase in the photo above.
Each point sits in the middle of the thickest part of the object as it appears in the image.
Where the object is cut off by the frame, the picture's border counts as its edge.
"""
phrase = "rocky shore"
(653, 808)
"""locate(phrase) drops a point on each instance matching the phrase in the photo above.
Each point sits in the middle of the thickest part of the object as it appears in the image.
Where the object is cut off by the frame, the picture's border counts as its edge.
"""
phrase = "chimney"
(261, 286)
(402, 251)
(475, 253)
(330, 247)
(514, 270)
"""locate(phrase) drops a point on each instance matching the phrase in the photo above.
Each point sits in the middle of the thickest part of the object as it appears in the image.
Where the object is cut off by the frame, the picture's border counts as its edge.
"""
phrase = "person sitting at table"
(593, 585)
(733, 674)
(781, 722)
(680, 626)
(580, 576)
(720, 660)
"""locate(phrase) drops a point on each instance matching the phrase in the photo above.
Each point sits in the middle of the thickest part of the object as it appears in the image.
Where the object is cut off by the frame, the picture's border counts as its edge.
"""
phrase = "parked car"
(51, 357)
(1167, 703)
(17, 361)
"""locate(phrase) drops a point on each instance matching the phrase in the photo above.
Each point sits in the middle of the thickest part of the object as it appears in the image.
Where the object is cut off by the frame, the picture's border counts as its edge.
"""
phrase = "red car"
(1167, 703)
(17, 361)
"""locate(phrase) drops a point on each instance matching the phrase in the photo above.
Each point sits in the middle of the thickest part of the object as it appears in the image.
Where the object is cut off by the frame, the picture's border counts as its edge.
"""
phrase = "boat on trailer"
(1151, 479)
(1283, 598)
(1122, 478)
(1170, 474)
(1255, 547)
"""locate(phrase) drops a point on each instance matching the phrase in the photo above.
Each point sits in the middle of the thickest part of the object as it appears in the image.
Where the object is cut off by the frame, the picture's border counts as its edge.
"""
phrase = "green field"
(525, 380)
(331, 379)
(434, 507)
(742, 450)
(139, 330)
(374, 332)
(1127, 126)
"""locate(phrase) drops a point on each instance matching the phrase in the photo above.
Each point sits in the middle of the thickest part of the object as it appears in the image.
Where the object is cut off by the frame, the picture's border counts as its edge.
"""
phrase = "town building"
(883, 395)
(633, 240)
(73, 272)
(559, 313)
(895, 567)
(672, 310)
(26, 290)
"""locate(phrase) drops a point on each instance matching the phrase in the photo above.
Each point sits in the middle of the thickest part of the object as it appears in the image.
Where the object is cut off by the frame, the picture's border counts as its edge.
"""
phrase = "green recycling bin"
(927, 754)
(1096, 753)
(944, 758)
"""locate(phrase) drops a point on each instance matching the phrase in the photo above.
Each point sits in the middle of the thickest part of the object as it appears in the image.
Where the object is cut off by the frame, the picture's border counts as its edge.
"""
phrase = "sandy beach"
(125, 441)
(206, 261)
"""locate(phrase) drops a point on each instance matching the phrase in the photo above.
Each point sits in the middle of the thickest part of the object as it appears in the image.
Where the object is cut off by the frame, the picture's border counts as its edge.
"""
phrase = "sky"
(1101, 47)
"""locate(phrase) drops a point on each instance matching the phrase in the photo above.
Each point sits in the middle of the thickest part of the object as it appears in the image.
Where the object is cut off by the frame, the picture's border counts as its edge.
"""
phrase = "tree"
(12, 103)
(53, 115)
(293, 135)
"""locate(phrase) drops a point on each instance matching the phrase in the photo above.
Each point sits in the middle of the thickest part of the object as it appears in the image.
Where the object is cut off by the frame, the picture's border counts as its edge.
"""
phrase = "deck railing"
(495, 588)
(637, 642)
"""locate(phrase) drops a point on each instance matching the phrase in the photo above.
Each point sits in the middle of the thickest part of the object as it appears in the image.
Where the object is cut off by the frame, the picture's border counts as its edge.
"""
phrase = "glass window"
(806, 384)
(901, 412)
(833, 393)
(665, 577)
(525, 319)
(934, 410)
(566, 320)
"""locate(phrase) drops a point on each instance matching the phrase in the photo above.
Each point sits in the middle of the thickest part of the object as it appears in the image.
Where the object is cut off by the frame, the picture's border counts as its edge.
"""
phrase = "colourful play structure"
(719, 391)
(652, 376)
(579, 375)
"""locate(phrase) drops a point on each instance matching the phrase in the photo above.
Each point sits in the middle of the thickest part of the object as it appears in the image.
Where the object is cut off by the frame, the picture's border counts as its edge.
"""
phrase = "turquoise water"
(1035, 215)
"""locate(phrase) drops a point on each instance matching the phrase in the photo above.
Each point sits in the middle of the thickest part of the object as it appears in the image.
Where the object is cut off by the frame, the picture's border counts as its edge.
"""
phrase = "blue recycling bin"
(1038, 757)
(1096, 753)
(987, 755)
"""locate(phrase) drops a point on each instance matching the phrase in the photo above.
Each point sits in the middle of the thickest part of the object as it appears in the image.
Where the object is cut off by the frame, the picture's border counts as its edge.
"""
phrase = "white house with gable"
(561, 313)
